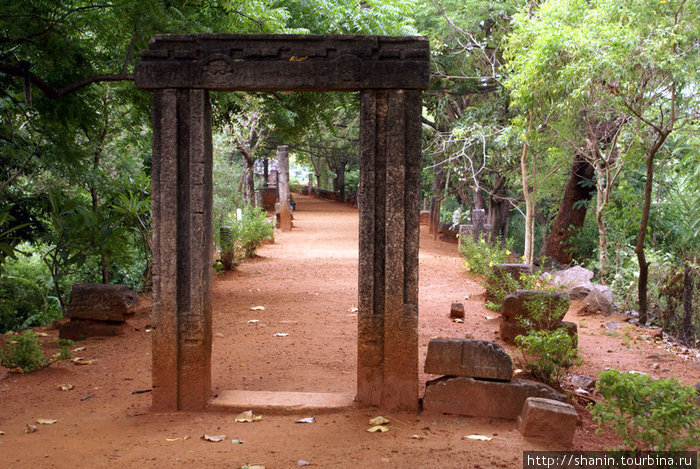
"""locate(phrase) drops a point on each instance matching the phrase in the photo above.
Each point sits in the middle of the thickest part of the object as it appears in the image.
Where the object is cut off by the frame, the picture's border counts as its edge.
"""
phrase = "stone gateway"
(390, 73)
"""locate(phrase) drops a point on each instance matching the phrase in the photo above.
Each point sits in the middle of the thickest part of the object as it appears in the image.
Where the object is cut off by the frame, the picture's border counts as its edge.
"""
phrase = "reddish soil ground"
(307, 282)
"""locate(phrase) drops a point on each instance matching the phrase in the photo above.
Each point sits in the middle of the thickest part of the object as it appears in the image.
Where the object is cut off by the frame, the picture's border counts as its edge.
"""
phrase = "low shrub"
(547, 354)
(498, 286)
(480, 256)
(239, 239)
(24, 353)
(648, 414)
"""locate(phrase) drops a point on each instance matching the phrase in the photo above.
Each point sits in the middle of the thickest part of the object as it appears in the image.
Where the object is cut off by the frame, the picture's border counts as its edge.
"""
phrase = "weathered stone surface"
(599, 299)
(284, 62)
(388, 272)
(478, 398)
(182, 249)
(478, 228)
(582, 381)
(579, 292)
(468, 357)
(457, 311)
(447, 233)
(515, 305)
(548, 419)
(101, 302)
(79, 329)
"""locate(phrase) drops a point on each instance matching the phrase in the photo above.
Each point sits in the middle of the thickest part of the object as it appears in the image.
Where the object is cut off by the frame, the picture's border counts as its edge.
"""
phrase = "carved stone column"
(283, 184)
(182, 249)
(390, 137)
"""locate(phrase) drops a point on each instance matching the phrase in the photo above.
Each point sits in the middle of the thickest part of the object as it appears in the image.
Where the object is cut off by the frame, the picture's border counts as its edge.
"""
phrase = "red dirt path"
(307, 282)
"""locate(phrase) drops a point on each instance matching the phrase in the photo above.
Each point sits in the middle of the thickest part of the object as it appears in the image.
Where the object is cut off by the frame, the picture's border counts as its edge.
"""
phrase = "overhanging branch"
(56, 93)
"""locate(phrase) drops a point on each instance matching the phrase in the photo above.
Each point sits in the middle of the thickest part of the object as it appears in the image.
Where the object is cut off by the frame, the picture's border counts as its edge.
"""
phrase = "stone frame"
(390, 73)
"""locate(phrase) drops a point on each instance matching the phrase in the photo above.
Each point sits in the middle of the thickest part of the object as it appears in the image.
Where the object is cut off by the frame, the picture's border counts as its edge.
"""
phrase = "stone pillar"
(182, 249)
(283, 184)
(390, 138)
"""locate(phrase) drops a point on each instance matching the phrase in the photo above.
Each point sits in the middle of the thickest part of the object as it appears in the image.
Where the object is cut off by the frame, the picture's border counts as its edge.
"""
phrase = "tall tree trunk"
(340, 181)
(499, 210)
(688, 284)
(248, 177)
(529, 207)
(436, 191)
(572, 213)
(644, 223)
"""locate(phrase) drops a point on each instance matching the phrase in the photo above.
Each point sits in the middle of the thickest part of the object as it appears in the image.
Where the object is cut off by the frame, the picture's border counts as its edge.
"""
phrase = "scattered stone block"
(579, 292)
(79, 329)
(101, 302)
(572, 277)
(446, 233)
(598, 299)
(584, 382)
(468, 357)
(472, 397)
(515, 305)
(457, 311)
(548, 419)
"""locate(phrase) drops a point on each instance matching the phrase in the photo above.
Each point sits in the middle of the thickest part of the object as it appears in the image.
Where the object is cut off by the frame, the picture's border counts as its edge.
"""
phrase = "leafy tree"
(630, 66)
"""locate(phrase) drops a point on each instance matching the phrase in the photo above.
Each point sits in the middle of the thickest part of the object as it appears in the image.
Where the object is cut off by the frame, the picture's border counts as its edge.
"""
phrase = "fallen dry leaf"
(65, 387)
(478, 437)
(281, 334)
(257, 308)
(174, 439)
(82, 361)
(248, 416)
(378, 428)
(352, 309)
(378, 420)
(302, 462)
(46, 421)
(42, 334)
(459, 320)
(237, 442)
(252, 467)
(214, 438)
(79, 349)
(253, 321)
(417, 437)
(2, 433)
(31, 428)
(306, 420)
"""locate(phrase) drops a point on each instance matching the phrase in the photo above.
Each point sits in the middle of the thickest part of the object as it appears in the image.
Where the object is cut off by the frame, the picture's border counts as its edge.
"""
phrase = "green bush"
(545, 310)
(502, 285)
(547, 354)
(24, 353)
(239, 239)
(26, 294)
(480, 256)
(648, 414)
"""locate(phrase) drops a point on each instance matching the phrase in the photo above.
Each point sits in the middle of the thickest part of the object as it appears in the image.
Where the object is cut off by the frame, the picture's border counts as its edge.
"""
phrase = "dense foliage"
(658, 415)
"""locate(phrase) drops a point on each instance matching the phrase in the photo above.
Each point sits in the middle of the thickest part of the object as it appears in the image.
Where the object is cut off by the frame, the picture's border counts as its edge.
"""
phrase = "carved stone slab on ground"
(472, 397)
(468, 357)
(549, 420)
(515, 308)
(101, 302)
(97, 310)
(457, 311)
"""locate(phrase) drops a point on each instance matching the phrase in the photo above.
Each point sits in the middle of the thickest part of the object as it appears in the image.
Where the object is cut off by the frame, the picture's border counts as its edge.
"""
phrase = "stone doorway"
(390, 73)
